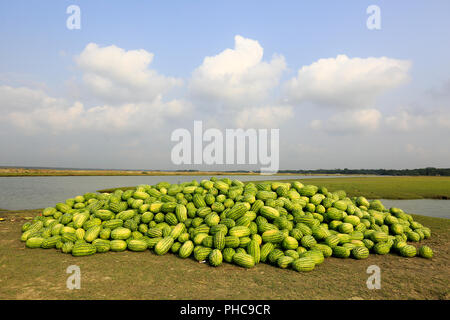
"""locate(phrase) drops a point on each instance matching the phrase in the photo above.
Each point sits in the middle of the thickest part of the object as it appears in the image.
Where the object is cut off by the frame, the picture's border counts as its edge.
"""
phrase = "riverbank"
(26, 172)
(377, 187)
(41, 274)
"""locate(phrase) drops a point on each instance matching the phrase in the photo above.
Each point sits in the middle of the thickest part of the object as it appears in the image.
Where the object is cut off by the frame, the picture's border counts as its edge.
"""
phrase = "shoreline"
(18, 172)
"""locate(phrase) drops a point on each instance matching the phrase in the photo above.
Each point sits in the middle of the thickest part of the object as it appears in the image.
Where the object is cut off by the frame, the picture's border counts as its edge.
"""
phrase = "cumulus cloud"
(117, 76)
(237, 77)
(346, 82)
(22, 99)
(266, 117)
(122, 99)
(58, 115)
(444, 121)
(350, 121)
(416, 150)
(129, 96)
(407, 121)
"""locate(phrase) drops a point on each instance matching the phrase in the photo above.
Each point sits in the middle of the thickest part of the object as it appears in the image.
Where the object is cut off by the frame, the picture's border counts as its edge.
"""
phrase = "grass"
(389, 187)
(379, 187)
(41, 274)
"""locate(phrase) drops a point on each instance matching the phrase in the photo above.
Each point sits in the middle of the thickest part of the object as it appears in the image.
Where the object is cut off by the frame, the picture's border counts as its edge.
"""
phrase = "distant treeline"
(382, 172)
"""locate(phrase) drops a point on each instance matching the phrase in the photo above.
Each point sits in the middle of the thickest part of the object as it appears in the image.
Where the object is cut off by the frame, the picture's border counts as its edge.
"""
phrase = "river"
(425, 207)
(18, 193)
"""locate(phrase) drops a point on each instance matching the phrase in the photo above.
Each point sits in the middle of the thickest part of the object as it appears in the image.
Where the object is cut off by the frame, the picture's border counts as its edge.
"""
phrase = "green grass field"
(41, 274)
(388, 187)
(380, 187)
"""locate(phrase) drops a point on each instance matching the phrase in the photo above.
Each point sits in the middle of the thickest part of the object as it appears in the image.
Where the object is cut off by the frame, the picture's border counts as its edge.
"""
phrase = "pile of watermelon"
(286, 224)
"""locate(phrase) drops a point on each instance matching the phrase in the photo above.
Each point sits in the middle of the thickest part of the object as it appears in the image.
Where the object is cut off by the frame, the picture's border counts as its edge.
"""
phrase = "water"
(424, 207)
(18, 193)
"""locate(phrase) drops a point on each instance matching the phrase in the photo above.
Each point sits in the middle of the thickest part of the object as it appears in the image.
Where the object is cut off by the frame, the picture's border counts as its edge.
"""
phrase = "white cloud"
(405, 121)
(117, 76)
(129, 97)
(237, 77)
(346, 82)
(350, 121)
(416, 150)
(444, 121)
(267, 117)
(21, 99)
(124, 104)
(408, 121)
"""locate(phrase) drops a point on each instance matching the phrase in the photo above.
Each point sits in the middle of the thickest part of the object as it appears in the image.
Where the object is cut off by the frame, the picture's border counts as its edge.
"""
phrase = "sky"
(111, 93)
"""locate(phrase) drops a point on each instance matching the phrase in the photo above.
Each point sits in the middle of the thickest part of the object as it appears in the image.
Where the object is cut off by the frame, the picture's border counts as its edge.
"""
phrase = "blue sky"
(39, 53)
(181, 33)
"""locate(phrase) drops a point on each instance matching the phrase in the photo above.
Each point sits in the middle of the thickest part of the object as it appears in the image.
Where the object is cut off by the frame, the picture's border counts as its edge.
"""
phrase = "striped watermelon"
(239, 231)
(289, 243)
(137, 245)
(308, 241)
(118, 245)
(34, 242)
(228, 254)
(381, 248)
(186, 249)
(274, 255)
(254, 249)
(284, 262)
(341, 252)
(426, 252)
(215, 258)
(269, 212)
(360, 253)
(408, 251)
(101, 245)
(120, 233)
(83, 249)
(316, 255)
(243, 260)
(201, 253)
(92, 233)
(219, 240)
(273, 236)
(163, 246)
(303, 264)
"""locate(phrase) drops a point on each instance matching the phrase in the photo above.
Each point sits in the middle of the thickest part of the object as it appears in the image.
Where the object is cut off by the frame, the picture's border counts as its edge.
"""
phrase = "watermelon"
(425, 252)
(303, 264)
(186, 249)
(163, 246)
(408, 251)
(289, 225)
(360, 253)
(215, 258)
(137, 245)
(83, 249)
(243, 260)
(101, 245)
(118, 245)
